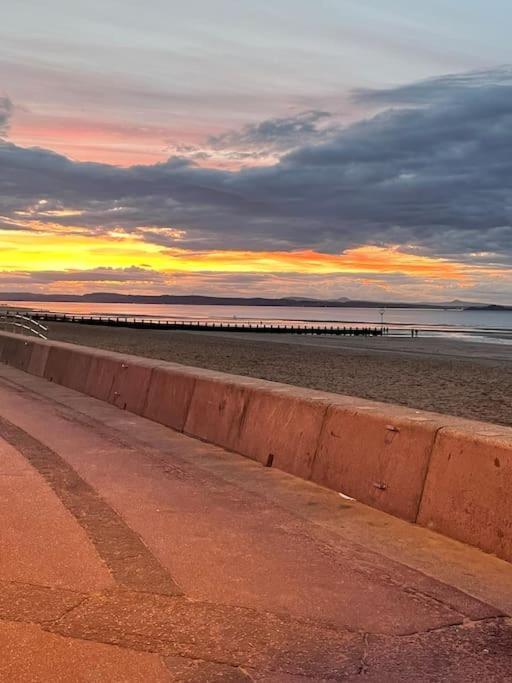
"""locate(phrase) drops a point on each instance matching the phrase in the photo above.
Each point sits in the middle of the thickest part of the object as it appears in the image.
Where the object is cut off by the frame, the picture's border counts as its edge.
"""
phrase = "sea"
(469, 325)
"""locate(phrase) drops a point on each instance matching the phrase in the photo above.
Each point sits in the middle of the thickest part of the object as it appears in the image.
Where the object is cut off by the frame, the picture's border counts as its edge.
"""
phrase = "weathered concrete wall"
(68, 366)
(468, 490)
(451, 475)
(377, 453)
(282, 427)
(38, 360)
(15, 352)
(130, 384)
(176, 384)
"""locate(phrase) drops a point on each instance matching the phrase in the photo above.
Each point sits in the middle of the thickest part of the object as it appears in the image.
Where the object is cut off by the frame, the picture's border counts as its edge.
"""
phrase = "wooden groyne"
(206, 326)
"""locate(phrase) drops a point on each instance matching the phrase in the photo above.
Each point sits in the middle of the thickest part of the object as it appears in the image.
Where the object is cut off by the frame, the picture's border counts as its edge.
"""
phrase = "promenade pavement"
(129, 552)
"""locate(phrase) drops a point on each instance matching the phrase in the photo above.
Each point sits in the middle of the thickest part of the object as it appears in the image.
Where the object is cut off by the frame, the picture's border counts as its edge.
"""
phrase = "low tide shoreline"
(471, 380)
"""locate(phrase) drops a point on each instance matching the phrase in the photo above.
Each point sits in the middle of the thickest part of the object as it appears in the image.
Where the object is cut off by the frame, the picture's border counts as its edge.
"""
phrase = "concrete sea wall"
(448, 474)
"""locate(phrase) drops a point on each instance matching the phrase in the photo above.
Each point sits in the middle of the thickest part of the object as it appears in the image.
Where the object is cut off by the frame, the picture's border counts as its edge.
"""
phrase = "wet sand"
(468, 379)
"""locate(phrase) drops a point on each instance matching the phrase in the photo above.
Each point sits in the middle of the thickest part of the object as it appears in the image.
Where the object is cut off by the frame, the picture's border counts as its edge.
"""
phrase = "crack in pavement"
(36, 604)
(226, 636)
(177, 627)
(191, 670)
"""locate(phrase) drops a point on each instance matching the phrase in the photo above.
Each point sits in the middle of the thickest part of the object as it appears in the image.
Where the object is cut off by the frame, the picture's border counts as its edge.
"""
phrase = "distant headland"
(198, 299)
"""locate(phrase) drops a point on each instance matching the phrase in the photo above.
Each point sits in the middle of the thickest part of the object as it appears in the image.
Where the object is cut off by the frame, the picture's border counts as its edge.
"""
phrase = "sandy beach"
(467, 379)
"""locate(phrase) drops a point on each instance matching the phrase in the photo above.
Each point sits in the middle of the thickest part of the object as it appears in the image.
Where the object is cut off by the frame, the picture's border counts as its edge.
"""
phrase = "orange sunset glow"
(104, 259)
(123, 250)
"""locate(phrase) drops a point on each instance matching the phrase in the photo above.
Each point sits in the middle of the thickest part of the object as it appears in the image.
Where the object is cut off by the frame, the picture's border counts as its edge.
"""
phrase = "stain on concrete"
(127, 557)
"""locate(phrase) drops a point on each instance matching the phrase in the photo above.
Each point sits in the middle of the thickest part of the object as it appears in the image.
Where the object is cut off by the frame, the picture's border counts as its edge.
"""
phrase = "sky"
(341, 148)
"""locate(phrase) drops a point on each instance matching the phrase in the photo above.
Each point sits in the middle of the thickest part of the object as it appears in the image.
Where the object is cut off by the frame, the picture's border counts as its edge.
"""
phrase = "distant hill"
(488, 307)
(457, 303)
(343, 302)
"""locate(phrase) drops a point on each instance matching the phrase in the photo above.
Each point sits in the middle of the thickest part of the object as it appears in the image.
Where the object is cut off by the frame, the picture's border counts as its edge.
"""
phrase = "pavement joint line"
(120, 591)
(113, 539)
(182, 601)
(53, 622)
(437, 601)
(201, 660)
(111, 632)
(38, 586)
(466, 623)
(165, 647)
(164, 658)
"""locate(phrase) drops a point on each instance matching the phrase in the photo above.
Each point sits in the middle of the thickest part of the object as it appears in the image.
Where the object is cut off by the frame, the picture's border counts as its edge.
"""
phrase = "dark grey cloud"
(265, 140)
(276, 134)
(434, 170)
(437, 89)
(131, 274)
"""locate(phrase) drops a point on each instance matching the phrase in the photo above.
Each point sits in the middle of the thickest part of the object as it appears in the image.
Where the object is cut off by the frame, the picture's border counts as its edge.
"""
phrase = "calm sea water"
(473, 325)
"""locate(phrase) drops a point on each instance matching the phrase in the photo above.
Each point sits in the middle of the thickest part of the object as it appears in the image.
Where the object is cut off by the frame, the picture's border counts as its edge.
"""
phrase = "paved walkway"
(131, 553)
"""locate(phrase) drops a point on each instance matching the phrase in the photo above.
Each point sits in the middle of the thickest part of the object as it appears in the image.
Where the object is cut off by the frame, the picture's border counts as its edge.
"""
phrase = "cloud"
(98, 275)
(437, 89)
(278, 133)
(432, 173)
(5, 115)
(113, 279)
(387, 287)
(264, 142)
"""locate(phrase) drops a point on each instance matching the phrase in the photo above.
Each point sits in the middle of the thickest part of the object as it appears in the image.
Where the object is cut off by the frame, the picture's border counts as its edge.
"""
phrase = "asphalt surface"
(131, 553)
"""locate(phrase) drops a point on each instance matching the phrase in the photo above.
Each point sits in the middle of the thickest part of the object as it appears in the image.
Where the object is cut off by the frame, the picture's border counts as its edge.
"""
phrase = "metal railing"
(23, 324)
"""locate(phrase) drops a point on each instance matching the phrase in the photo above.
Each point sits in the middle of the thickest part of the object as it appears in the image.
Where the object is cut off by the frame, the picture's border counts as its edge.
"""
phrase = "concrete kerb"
(451, 475)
